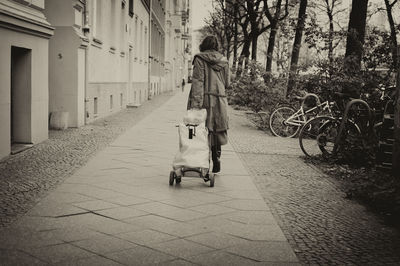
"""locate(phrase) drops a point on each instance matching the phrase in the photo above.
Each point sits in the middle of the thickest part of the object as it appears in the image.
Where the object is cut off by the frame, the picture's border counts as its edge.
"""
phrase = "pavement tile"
(155, 207)
(212, 209)
(82, 220)
(115, 186)
(146, 236)
(150, 221)
(121, 213)
(269, 251)
(93, 260)
(66, 197)
(178, 262)
(99, 193)
(57, 253)
(250, 217)
(74, 233)
(155, 195)
(139, 256)
(180, 248)
(216, 240)
(210, 223)
(178, 202)
(114, 227)
(10, 257)
(46, 209)
(183, 215)
(268, 232)
(104, 244)
(15, 237)
(221, 258)
(242, 194)
(127, 200)
(243, 182)
(36, 223)
(168, 226)
(94, 205)
(245, 205)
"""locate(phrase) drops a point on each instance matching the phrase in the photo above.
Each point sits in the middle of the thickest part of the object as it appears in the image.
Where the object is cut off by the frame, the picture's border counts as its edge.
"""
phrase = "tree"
(396, 147)
(393, 32)
(297, 45)
(355, 34)
(331, 8)
(273, 26)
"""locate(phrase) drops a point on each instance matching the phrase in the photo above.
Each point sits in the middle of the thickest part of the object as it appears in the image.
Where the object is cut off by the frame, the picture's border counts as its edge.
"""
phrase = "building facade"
(178, 43)
(24, 43)
(98, 57)
(157, 47)
(71, 62)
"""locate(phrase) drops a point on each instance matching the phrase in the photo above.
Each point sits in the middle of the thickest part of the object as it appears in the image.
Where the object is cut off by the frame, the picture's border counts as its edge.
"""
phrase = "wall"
(108, 53)
(34, 38)
(139, 54)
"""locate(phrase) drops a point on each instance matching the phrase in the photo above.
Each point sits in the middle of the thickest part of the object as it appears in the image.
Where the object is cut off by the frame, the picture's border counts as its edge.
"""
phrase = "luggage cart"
(205, 173)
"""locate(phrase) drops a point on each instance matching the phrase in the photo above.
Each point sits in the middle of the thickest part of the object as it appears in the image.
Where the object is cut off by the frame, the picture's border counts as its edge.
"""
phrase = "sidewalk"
(119, 209)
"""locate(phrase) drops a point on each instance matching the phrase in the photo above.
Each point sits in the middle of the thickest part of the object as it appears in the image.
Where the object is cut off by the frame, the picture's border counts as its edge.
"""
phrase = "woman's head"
(209, 43)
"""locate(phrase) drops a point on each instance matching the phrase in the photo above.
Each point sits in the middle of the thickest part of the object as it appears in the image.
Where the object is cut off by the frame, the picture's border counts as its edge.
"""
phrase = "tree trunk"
(396, 146)
(254, 40)
(235, 37)
(235, 48)
(271, 45)
(330, 39)
(244, 55)
(296, 46)
(392, 33)
(355, 35)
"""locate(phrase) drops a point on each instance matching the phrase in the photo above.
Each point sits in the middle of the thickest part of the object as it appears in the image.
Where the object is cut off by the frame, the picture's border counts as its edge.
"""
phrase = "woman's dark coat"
(209, 79)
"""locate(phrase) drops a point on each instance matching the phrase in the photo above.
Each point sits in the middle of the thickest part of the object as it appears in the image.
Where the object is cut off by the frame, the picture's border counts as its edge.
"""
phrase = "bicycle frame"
(299, 118)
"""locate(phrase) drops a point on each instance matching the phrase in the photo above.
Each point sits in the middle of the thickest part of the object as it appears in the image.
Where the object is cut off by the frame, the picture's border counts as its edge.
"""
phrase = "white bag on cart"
(193, 141)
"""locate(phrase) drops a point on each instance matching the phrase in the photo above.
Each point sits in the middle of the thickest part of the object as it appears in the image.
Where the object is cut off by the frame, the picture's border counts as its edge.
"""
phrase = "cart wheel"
(171, 178)
(212, 179)
(178, 179)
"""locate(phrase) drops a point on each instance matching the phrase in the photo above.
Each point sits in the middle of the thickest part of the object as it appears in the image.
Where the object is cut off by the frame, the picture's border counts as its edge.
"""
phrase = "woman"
(209, 79)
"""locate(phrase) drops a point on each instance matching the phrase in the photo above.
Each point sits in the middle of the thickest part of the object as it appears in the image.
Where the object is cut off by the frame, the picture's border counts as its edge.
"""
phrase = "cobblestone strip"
(322, 226)
(27, 176)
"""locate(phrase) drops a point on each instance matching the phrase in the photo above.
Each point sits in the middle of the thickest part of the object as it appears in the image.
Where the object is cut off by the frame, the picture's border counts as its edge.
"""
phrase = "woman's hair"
(209, 43)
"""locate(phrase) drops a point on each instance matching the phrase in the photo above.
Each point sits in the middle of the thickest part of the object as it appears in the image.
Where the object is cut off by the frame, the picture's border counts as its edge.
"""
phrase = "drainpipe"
(150, 57)
(86, 32)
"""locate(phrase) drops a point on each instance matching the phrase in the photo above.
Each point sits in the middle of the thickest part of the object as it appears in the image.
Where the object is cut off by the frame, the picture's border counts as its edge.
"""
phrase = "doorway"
(21, 96)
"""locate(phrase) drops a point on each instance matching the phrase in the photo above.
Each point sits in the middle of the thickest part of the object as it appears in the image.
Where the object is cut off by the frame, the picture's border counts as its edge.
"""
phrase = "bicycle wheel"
(278, 123)
(317, 136)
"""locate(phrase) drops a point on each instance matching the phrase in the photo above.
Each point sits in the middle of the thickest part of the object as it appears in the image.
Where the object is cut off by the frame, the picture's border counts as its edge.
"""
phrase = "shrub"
(251, 90)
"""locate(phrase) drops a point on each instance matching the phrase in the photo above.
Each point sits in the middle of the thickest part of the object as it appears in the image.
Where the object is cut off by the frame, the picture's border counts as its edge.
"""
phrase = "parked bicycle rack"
(346, 117)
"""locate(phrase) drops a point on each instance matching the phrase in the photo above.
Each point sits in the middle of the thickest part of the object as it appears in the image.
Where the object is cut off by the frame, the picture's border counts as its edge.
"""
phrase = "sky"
(201, 9)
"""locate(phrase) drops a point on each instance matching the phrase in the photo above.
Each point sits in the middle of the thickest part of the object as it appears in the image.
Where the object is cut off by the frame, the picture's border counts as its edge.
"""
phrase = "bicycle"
(319, 136)
(286, 121)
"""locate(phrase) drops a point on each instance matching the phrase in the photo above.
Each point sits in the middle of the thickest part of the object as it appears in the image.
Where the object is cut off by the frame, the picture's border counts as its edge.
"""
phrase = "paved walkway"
(119, 209)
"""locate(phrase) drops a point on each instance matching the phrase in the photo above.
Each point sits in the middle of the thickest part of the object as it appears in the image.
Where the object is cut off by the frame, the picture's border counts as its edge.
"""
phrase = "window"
(121, 99)
(121, 30)
(136, 39)
(131, 8)
(145, 41)
(141, 46)
(95, 106)
(111, 102)
(96, 21)
(113, 26)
